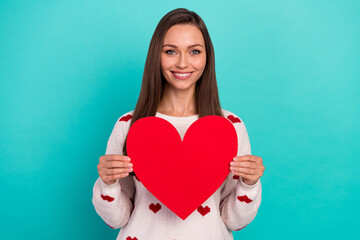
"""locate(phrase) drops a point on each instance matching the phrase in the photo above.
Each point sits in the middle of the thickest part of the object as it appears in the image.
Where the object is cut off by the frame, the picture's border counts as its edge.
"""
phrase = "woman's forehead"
(183, 35)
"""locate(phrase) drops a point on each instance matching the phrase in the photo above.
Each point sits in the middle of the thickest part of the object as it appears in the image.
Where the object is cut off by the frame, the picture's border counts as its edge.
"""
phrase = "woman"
(179, 85)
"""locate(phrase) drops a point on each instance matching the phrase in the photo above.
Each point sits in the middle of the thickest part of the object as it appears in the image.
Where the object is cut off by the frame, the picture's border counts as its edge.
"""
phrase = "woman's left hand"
(249, 167)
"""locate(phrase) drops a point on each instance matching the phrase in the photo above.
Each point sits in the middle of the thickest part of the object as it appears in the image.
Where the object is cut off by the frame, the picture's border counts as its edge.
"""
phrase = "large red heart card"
(182, 174)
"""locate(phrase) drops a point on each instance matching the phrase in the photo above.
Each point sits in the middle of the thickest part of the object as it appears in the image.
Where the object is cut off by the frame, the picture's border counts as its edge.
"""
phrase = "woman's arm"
(114, 202)
(239, 201)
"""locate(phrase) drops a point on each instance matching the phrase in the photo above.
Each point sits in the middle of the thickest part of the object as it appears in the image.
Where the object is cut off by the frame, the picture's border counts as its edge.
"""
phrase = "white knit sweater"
(233, 206)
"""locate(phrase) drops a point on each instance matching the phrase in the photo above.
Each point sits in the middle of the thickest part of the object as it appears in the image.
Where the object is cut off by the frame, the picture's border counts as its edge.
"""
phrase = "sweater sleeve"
(239, 202)
(114, 203)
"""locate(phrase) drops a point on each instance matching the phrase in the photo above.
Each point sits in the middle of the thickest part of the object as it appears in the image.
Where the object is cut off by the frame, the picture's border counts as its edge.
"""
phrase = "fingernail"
(130, 164)
(234, 158)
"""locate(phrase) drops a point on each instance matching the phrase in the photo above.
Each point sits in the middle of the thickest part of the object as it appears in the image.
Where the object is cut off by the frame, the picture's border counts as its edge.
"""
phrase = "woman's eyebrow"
(190, 46)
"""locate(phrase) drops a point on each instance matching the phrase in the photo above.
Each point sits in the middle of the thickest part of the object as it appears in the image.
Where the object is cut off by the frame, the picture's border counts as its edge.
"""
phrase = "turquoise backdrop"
(289, 69)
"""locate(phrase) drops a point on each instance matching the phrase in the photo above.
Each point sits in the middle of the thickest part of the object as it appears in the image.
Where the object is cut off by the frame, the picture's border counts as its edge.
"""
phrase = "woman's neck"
(178, 103)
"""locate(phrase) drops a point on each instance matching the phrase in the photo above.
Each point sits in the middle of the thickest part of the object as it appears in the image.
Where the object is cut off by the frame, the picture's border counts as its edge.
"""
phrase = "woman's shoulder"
(122, 124)
(231, 116)
(124, 118)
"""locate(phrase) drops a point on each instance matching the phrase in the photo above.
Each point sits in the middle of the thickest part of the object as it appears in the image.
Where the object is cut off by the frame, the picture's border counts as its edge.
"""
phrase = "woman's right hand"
(112, 167)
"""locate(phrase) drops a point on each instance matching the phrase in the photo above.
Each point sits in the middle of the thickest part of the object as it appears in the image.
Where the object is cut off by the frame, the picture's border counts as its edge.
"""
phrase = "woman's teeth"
(182, 74)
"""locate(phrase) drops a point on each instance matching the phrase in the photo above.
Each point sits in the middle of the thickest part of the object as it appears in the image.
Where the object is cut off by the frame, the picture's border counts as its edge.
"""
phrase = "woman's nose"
(182, 61)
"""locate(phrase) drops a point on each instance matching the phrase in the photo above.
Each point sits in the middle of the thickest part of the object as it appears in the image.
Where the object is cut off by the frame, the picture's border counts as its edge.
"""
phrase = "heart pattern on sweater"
(234, 119)
(125, 118)
(107, 198)
(203, 210)
(130, 238)
(244, 198)
(155, 208)
(182, 174)
(241, 228)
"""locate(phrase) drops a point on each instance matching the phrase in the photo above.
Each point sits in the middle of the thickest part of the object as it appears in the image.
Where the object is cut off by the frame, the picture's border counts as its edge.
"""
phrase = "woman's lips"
(181, 76)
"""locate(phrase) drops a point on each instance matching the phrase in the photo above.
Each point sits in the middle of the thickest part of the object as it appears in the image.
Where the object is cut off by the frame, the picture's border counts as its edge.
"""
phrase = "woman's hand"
(249, 167)
(112, 167)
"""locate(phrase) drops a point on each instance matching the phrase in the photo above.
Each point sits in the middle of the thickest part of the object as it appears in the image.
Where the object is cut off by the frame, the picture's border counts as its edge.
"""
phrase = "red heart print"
(241, 228)
(234, 119)
(244, 198)
(154, 207)
(203, 210)
(107, 198)
(125, 118)
(130, 238)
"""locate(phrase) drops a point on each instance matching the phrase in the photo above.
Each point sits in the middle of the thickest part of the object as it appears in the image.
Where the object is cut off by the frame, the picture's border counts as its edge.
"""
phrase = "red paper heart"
(182, 174)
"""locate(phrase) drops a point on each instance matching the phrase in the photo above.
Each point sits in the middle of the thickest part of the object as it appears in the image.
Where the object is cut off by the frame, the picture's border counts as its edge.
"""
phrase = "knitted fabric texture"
(128, 205)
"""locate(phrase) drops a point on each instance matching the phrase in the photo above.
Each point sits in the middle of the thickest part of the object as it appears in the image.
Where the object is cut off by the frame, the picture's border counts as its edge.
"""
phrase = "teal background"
(289, 69)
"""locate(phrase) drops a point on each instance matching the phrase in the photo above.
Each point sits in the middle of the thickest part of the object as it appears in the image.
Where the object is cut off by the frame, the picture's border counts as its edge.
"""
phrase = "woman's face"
(183, 52)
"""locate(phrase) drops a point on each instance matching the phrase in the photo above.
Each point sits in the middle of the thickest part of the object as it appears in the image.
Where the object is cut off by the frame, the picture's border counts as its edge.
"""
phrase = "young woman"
(179, 85)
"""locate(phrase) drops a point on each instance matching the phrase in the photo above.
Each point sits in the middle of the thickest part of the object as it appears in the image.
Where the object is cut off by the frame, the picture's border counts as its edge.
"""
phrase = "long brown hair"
(152, 87)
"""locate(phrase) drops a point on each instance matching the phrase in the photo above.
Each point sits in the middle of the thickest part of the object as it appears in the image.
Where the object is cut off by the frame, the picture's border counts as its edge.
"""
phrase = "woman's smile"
(181, 75)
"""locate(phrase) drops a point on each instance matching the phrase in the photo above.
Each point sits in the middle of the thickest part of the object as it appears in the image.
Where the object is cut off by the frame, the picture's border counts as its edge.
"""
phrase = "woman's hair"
(152, 87)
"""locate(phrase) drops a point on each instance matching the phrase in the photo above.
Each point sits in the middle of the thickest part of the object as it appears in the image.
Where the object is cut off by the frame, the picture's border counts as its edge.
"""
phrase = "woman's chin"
(183, 87)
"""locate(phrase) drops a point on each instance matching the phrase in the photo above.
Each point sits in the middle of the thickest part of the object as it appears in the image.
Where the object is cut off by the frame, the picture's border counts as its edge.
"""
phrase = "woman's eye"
(196, 51)
(172, 52)
(167, 51)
